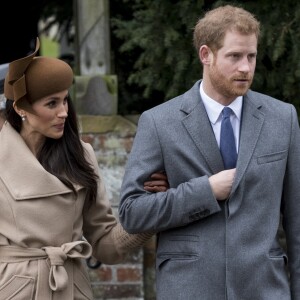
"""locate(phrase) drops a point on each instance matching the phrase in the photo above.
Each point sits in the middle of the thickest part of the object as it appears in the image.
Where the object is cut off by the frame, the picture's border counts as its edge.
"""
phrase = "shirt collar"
(214, 108)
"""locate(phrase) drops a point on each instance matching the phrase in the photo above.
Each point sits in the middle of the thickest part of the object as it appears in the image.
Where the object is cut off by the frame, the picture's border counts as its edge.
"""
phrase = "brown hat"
(33, 78)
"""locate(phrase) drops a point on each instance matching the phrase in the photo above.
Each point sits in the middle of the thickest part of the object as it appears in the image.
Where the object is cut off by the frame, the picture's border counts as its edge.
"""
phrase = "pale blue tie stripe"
(227, 140)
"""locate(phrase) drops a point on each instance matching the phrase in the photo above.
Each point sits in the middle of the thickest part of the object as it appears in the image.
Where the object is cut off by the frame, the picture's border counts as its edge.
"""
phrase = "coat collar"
(21, 172)
(251, 125)
(198, 126)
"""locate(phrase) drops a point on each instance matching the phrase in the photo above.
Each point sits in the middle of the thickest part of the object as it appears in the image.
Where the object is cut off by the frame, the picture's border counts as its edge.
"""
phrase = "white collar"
(214, 108)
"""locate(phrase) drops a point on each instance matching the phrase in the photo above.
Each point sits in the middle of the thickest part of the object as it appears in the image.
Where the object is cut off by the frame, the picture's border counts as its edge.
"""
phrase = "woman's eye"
(51, 104)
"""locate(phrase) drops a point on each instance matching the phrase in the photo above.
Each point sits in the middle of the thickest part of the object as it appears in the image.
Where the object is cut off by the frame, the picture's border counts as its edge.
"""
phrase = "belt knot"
(58, 276)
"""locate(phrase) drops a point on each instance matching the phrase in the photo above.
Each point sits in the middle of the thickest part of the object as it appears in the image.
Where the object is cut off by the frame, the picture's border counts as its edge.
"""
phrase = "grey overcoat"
(214, 250)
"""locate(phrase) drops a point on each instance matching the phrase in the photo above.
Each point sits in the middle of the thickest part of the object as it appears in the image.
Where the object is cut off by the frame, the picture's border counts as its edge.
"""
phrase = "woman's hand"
(158, 183)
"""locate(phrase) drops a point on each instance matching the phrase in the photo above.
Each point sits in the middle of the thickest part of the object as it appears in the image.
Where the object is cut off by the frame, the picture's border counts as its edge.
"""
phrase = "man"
(217, 228)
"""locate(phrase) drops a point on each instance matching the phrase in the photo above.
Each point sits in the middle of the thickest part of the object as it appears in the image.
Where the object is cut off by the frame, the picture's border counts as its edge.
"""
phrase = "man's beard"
(228, 87)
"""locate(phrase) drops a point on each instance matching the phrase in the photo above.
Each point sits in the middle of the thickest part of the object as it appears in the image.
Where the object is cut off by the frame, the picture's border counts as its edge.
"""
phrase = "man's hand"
(221, 183)
(158, 183)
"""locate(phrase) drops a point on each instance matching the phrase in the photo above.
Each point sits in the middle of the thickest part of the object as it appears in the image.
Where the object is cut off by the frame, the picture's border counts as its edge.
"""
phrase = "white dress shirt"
(214, 112)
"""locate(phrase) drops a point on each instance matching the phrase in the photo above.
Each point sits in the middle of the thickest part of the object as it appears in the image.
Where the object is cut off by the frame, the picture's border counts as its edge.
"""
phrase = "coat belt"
(59, 269)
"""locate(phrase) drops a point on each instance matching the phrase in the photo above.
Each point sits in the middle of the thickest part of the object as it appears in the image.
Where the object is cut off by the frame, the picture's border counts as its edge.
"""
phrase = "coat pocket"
(82, 286)
(268, 158)
(177, 247)
(278, 254)
(17, 288)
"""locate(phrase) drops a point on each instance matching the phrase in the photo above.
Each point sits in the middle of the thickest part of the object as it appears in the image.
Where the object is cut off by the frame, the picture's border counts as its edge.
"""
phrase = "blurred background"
(150, 43)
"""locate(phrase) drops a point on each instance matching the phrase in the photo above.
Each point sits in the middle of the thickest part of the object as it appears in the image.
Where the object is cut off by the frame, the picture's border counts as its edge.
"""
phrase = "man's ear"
(205, 55)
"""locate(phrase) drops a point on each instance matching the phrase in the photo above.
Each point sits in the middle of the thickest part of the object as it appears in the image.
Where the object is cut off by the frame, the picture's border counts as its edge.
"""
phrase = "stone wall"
(111, 138)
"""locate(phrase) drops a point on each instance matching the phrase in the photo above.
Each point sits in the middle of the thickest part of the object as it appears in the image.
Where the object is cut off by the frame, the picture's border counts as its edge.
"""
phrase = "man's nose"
(245, 65)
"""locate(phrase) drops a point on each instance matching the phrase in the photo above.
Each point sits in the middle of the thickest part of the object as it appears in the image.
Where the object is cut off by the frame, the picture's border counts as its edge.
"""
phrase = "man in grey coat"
(217, 225)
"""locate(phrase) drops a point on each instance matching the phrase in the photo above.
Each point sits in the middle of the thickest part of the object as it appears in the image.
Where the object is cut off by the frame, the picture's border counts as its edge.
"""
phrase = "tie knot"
(227, 111)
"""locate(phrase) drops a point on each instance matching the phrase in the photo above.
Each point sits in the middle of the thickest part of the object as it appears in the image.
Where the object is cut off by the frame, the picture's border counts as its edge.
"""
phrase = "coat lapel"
(252, 122)
(199, 128)
(20, 171)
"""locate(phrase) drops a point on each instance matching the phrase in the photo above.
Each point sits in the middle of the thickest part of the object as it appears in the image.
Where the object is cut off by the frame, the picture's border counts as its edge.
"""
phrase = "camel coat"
(46, 232)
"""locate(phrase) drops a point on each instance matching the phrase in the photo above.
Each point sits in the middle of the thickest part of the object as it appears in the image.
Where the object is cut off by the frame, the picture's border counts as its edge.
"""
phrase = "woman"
(54, 208)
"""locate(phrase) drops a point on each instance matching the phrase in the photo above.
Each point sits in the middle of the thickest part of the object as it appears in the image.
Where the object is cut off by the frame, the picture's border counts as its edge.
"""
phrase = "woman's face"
(46, 117)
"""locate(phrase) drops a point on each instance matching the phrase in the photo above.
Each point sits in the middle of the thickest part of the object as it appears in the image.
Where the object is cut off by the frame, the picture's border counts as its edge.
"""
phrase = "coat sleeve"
(291, 206)
(110, 242)
(141, 211)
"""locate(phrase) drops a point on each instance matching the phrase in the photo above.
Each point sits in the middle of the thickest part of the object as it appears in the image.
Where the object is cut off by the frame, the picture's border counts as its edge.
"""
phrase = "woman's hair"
(64, 157)
(210, 30)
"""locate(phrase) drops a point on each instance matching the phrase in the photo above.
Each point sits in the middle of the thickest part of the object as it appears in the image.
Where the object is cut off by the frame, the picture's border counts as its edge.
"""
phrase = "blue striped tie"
(227, 141)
